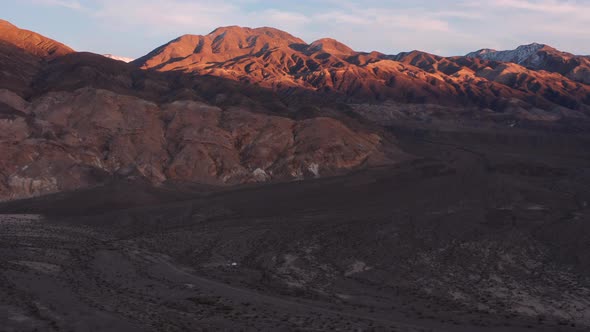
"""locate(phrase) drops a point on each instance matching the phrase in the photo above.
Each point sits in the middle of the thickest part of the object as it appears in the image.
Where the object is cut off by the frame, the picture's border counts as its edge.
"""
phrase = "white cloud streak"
(60, 3)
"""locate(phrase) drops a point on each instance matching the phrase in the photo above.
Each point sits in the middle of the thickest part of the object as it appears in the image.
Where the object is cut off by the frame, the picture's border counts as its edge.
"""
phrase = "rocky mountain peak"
(332, 46)
(539, 56)
(519, 55)
(221, 44)
(235, 37)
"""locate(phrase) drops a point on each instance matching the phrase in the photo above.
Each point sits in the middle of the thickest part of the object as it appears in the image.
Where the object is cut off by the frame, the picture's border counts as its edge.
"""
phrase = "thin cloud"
(60, 3)
(446, 27)
(286, 17)
(540, 6)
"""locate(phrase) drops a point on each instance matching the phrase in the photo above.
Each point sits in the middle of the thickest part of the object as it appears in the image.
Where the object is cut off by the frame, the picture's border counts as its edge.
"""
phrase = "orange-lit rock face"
(32, 42)
(275, 59)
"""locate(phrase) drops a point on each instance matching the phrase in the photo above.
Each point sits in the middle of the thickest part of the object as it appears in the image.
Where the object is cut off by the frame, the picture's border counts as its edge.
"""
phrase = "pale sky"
(132, 28)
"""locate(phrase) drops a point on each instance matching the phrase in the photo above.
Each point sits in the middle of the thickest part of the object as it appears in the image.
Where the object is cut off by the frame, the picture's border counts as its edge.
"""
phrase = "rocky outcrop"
(68, 140)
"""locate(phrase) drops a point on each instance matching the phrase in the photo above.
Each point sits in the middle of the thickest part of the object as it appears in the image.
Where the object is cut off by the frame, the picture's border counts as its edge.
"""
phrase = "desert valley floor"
(479, 232)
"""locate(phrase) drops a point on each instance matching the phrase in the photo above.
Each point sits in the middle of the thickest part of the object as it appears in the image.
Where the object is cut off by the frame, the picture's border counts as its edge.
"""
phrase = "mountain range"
(278, 60)
(244, 105)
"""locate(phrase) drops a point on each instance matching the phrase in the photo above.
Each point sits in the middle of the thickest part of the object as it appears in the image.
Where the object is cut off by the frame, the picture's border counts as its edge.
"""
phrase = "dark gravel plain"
(477, 233)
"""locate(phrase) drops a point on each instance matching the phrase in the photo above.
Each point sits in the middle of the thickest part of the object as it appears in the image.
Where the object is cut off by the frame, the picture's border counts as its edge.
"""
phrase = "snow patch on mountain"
(119, 58)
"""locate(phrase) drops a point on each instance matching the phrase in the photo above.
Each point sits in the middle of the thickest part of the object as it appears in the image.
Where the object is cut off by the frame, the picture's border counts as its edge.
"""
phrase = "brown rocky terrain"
(66, 140)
